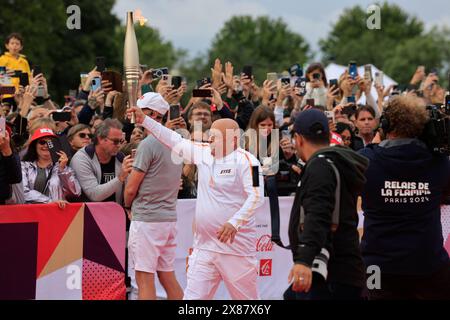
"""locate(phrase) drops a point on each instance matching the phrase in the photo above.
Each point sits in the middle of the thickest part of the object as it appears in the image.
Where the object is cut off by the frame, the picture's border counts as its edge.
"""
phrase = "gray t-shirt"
(157, 195)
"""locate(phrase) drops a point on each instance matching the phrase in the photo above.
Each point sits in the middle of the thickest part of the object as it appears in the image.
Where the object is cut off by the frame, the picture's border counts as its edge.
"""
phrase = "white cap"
(153, 101)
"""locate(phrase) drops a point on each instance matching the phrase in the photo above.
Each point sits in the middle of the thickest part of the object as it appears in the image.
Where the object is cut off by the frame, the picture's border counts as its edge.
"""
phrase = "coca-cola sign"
(264, 244)
(265, 268)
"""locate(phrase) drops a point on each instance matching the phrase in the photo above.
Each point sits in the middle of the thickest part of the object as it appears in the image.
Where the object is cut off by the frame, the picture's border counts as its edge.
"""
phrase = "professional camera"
(436, 133)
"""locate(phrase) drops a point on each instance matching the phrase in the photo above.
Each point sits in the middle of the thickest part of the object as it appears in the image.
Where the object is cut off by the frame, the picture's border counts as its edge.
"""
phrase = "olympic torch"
(131, 63)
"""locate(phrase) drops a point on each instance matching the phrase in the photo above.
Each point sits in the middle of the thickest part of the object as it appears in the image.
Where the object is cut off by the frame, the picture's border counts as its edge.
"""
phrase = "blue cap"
(311, 123)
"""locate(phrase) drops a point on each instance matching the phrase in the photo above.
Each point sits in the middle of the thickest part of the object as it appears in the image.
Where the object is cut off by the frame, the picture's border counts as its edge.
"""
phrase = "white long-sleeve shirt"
(229, 190)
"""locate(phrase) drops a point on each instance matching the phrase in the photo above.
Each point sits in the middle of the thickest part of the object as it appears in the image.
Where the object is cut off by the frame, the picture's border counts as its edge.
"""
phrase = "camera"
(158, 73)
(436, 134)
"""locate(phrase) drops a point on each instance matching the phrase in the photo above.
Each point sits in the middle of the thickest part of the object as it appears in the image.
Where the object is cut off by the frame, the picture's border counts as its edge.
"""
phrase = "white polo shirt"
(229, 190)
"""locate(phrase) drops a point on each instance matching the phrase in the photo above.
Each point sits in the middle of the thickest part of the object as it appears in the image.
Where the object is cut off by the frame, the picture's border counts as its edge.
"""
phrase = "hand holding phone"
(54, 147)
(96, 83)
(247, 71)
(174, 112)
(330, 116)
(352, 70)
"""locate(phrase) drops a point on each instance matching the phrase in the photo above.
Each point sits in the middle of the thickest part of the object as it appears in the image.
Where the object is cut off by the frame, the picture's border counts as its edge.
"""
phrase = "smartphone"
(447, 104)
(296, 70)
(176, 82)
(24, 80)
(351, 99)
(201, 93)
(2, 126)
(352, 69)
(334, 83)
(96, 83)
(202, 82)
(286, 134)
(100, 64)
(285, 81)
(272, 76)
(167, 78)
(2, 70)
(54, 146)
(7, 90)
(174, 111)
(301, 83)
(368, 72)
(158, 73)
(133, 153)
(310, 102)
(83, 78)
(62, 116)
(379, 78)
(349, 110)
(17, 74)
(36, 70)
(115, 78)
(247, 71)
(330, 115)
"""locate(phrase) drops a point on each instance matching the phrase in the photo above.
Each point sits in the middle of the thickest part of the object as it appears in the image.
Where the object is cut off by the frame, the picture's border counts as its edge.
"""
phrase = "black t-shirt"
(108, 174)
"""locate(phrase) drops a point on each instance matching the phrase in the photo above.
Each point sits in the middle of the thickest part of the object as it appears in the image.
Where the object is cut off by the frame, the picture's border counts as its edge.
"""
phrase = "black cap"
(311, 123)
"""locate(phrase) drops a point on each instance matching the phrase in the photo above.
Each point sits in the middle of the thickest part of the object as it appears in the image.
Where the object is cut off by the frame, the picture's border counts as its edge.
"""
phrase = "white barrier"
(274, 262)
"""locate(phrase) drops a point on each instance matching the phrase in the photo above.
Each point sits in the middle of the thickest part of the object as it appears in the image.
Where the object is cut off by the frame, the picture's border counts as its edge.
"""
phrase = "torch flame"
(139, 17)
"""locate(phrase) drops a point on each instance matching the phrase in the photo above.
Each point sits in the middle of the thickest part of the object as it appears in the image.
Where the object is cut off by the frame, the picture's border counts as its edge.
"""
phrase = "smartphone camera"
(296, 71)
(352, 70)
(204, 81)
(96, 83)
(157, 73)
(301, 84)
(285, 81)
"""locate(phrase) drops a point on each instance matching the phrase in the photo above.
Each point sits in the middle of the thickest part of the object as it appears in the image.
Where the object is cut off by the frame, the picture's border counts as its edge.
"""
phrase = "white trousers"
(206, 269)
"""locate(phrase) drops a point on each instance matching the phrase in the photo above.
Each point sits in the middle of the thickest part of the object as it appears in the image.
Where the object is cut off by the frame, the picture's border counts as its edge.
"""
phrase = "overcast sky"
(192, 24)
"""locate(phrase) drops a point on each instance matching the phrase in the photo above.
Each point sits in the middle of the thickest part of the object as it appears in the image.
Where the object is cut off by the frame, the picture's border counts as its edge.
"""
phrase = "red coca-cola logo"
(264, 244)
(265, 267)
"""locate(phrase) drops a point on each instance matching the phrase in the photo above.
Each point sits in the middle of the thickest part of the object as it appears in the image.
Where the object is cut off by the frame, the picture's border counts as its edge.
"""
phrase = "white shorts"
(151, 246)
(206, 269)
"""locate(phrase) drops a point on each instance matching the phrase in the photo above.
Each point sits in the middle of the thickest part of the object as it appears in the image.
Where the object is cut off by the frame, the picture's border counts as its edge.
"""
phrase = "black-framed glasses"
(116, 141)
(83, 135)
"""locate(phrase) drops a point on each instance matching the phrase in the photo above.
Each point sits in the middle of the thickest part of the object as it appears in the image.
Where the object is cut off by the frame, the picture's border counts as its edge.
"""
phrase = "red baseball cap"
(41, 133)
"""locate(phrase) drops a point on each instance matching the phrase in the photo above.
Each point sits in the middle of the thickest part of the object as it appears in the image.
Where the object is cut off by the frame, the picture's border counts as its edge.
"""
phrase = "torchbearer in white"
(230, 189)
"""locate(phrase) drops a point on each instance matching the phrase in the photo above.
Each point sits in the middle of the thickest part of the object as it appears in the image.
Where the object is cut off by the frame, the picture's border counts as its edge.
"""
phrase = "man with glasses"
(100, 167)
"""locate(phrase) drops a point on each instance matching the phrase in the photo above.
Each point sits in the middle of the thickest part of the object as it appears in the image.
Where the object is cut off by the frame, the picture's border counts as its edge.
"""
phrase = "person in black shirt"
(406, 185)
(324, 220)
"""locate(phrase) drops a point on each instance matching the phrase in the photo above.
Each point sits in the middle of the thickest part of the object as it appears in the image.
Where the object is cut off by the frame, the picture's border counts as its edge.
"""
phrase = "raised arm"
(186, 149)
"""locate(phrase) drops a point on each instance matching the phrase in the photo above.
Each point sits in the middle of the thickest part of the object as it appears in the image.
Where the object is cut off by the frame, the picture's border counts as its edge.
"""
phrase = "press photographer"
(406, 183)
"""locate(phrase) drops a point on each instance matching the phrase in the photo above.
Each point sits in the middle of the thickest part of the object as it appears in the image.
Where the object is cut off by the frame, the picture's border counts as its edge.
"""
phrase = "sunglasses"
(83, 135)
(42, 142)
(116, 141)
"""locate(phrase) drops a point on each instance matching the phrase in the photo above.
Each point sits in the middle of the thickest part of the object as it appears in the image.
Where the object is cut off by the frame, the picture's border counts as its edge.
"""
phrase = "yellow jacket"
(10, 62)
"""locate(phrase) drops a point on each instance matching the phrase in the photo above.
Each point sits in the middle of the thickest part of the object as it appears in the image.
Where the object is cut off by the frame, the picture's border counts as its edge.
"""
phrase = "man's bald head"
(224, 137)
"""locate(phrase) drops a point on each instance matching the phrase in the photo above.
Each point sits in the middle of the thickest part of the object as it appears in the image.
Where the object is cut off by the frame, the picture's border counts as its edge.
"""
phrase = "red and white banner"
(274, 263)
